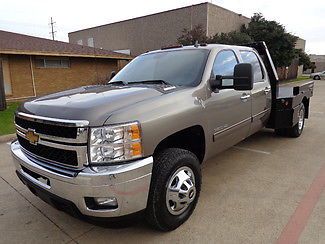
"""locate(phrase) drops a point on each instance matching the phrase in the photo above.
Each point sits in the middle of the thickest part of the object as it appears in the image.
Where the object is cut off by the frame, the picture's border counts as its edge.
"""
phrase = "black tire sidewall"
(167, 221)
(316, 77)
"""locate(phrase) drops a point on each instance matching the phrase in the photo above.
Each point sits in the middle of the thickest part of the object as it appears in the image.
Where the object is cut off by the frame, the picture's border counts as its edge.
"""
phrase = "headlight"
(115, 143)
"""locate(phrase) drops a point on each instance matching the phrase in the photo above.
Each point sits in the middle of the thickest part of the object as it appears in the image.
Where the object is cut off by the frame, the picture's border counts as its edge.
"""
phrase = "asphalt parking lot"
(266, 189)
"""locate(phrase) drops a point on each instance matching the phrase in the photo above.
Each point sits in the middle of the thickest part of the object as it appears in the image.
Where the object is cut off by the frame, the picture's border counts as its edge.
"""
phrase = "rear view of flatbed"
(290, 101)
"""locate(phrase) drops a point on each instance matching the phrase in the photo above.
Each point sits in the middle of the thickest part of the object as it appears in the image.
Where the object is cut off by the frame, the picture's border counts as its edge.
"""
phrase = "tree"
(304, 60)
(281, 44)
(231, 38)
(189, 37)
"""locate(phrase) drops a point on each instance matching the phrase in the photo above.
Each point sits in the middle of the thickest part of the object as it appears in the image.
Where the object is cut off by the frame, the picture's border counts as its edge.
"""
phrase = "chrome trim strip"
(230, 127)
(261, 113)
(82, 136)
(53, 121)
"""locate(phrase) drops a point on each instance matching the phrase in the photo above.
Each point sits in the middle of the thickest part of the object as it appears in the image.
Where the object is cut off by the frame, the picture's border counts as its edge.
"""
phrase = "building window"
(90, 42)
(52, 62)
(79, 42)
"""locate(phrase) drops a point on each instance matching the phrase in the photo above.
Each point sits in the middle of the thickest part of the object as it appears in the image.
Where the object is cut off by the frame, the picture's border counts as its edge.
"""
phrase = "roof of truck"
(200, 46)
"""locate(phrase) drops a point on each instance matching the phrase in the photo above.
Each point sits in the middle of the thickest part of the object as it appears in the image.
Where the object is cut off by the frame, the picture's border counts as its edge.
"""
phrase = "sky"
(300, 17)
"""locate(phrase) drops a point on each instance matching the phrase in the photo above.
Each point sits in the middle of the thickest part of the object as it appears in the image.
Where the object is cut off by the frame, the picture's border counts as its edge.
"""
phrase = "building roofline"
(228, 10)
(79, 51)
(148, 15)
(33, 53)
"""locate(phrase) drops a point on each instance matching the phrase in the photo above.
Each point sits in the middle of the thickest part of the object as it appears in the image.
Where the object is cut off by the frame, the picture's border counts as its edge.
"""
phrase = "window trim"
(258, 59)
(52, 67)
(223, 50)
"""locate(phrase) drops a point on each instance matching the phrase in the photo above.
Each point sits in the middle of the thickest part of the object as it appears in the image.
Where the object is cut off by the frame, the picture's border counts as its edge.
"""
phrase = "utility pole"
(52, 29)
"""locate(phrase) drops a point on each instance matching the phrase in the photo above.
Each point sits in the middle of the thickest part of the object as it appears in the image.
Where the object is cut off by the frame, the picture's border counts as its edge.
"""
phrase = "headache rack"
(286, 98)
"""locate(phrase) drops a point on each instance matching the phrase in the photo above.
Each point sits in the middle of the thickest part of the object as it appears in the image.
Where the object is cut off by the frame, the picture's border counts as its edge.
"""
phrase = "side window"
(224, 65)
(250, 57)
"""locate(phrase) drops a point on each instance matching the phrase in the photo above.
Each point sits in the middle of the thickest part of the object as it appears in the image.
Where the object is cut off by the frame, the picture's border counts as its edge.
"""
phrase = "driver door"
(228, 111)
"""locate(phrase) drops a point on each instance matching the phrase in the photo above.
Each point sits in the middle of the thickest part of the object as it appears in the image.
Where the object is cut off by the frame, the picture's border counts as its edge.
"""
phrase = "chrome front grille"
(53, 141)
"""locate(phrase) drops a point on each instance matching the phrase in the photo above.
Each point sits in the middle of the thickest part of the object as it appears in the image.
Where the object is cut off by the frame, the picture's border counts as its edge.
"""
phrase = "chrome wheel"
(181, 191)
(301, 117)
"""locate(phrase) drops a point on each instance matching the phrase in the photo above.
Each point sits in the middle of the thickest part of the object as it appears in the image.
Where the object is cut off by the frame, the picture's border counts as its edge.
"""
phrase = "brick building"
(32, 66)
(151, 32)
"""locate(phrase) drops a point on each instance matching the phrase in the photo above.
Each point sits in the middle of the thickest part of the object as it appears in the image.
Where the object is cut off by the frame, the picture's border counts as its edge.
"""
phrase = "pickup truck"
(136, 144)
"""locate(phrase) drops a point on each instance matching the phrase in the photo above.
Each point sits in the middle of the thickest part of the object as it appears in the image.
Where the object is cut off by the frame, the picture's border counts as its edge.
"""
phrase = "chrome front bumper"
(128, 183)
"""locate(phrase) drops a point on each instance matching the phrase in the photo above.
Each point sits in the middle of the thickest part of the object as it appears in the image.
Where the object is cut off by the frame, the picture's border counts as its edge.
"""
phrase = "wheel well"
(191, 139)
(305, 101)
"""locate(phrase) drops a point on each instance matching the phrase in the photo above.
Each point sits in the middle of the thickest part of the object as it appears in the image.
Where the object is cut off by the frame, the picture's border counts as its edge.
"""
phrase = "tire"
(162, 214)
(296, 130)
(281, 132)
(316, 77)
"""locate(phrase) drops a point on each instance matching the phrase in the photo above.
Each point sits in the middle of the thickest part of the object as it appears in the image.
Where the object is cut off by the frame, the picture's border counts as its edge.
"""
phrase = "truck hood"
(92, 103)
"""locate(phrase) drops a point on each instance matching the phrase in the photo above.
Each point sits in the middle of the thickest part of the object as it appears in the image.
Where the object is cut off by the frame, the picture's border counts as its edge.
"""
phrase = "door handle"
(245, 96)
(267, 90)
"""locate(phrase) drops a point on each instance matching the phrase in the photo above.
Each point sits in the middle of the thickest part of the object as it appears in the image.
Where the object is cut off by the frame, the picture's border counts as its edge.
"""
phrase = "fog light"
(106, 201)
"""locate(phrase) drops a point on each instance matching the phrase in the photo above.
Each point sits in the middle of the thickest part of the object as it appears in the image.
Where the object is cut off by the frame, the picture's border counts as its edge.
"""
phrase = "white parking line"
(316, 112)
(251, 150)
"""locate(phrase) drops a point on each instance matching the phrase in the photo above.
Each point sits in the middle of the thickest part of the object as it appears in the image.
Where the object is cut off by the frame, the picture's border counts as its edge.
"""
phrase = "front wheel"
(174, 190)
(316, 77)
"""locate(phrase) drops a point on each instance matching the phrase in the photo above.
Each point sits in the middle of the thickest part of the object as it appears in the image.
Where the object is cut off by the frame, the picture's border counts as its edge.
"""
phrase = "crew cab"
(136, 144)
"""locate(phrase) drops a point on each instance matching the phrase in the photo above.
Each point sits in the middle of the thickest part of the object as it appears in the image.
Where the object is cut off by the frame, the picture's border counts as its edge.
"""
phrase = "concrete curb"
(7, 138)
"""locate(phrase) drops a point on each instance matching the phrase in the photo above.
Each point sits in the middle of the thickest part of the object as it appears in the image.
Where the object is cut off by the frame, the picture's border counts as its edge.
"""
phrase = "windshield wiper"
(119, 82)
(152, 82)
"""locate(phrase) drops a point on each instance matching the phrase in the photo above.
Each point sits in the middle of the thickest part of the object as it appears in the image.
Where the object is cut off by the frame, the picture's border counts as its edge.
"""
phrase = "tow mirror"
(242, 79)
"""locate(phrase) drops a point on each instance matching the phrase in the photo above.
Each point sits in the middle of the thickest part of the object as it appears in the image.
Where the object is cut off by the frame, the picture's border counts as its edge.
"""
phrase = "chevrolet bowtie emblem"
(32, 137)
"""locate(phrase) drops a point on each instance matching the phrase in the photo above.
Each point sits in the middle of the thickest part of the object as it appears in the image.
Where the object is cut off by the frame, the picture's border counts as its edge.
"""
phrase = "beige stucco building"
(319, 61)
(138, 35)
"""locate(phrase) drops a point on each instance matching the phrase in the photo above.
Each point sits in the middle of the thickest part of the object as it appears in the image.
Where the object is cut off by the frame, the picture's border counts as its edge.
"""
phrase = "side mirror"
(243, 79)
(243, 74)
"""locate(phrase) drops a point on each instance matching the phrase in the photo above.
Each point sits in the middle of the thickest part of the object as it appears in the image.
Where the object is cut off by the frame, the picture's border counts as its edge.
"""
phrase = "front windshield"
(179, 68)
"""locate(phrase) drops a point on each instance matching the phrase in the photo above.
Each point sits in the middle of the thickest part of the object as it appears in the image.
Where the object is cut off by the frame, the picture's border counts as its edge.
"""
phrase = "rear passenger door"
(261, 93)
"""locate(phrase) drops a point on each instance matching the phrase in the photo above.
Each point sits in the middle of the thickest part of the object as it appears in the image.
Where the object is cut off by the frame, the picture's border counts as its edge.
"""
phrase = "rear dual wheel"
(296, 130)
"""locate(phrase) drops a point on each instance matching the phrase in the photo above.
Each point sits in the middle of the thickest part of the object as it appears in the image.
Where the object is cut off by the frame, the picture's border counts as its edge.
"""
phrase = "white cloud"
(302, 18)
